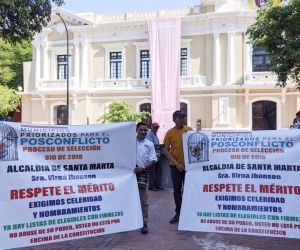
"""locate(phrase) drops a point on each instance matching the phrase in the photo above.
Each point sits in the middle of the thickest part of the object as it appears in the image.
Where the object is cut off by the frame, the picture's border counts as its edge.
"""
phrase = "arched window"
(61, 115)
(147, 108)
(184, 109)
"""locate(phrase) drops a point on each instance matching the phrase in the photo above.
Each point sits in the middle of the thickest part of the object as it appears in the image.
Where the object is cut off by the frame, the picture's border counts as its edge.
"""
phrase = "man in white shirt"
(145, 158)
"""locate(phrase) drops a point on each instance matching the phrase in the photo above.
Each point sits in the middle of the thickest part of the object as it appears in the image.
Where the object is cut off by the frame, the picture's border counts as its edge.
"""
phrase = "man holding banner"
(145, 158)
(67, 182)
(174, 153)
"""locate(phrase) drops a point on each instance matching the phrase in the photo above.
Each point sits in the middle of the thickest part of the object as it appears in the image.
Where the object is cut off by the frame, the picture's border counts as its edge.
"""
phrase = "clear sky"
(117, 6)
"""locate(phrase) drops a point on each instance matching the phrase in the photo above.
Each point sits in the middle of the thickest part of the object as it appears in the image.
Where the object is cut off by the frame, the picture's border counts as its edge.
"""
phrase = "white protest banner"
(242, 183)
(66, 182)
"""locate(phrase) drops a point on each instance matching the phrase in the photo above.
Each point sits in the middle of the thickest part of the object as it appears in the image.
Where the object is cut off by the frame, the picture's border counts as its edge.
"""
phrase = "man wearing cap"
(155, 172)
(174, 153)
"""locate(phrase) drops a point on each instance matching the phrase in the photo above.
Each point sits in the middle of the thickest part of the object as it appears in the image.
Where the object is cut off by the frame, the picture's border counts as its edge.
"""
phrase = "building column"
(84, 66)
(217, 59)
(37, 65)
(248, 56)
(230, 59)
(45, 62)
(124, 73)
(88, 109)
(76, 66)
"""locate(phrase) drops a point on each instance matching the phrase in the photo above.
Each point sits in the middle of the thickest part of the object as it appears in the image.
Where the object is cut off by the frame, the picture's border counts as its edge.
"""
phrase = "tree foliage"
(20, 19)
(12, 57)
(9, 100)
(277, 29)
(120, 111)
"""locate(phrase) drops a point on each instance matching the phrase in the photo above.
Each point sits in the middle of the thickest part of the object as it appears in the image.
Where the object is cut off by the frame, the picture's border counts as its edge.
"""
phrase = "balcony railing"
(145, 83)
(55, 84)
(111, 84)
(196, 81)
(122, 84)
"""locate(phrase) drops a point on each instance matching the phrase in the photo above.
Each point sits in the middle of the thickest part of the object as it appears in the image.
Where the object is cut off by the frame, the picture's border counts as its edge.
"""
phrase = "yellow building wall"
(26, 109)
(100, 105)
(241, 113)
(293, 106)
(289, 111)
(38, 113)
(200, 109)
(204, 107)
(96, 110)
(78, 112)
(28, 79)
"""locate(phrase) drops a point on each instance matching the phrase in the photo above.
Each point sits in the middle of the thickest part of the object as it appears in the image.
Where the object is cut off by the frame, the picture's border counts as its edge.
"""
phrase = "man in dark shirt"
(155, 173)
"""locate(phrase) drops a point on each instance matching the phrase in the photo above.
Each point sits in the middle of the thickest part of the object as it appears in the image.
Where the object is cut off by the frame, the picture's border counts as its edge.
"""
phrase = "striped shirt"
(151, 136)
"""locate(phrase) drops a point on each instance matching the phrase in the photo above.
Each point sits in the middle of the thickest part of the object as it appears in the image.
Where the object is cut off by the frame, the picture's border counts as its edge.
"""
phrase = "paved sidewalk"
(165, 236)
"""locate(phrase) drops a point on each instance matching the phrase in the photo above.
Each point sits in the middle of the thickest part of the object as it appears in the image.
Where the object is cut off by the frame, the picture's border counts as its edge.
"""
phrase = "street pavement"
(163, 235)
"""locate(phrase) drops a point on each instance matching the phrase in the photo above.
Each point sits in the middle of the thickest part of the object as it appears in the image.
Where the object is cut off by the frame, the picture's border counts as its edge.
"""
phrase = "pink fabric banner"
(165, 45)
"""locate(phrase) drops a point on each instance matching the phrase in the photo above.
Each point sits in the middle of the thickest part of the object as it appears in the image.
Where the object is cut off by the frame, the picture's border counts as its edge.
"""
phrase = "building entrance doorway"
(264, 115)
(61, 115)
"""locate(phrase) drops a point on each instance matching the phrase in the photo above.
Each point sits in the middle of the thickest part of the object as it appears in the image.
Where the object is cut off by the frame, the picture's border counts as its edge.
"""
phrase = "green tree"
(120, 111)
(21, 19)
(12, 57)
(9, 101)
(277, 30)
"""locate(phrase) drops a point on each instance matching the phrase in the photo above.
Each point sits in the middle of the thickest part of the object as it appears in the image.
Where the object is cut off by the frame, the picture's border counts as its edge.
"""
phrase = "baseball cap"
(154, 125)
(178, 113)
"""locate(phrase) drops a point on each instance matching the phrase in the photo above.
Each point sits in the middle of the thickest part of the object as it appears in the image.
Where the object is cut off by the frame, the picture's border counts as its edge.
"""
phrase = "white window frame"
(115, 47)
(138, 47)
(186, 43)
(140, 66)
(61, 51)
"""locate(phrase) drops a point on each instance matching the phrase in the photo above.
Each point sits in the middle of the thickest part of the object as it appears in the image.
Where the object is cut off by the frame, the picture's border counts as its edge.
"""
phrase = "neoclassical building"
(224, 81)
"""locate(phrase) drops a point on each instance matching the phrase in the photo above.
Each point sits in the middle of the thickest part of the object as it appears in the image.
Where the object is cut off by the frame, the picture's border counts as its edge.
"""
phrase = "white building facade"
(225, 82)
